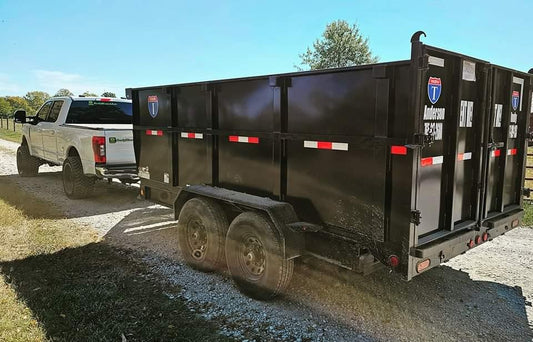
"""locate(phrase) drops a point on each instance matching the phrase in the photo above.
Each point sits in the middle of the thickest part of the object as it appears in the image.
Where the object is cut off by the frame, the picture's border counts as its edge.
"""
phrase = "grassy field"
(8, 134)
(58, 282)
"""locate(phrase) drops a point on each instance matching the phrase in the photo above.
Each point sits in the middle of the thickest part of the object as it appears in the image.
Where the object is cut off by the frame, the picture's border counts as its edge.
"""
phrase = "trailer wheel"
(255, 258)
(202, 227)
(75, 183)
(27, 165)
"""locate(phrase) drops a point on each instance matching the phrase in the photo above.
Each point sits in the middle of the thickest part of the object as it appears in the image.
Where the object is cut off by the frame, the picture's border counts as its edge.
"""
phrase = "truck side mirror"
(20, 116)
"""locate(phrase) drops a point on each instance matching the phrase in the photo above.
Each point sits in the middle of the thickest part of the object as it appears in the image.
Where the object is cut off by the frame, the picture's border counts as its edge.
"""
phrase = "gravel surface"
(483, 295)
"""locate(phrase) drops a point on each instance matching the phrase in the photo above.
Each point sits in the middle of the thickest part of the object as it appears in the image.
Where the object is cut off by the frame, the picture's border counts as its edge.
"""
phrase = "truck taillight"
(99, 149)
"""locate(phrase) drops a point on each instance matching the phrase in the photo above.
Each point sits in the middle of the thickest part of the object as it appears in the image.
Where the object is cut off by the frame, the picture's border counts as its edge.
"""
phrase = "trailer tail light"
(422, 265)
(394, 261)
(99, 149)
(485, 237)
(515, 223)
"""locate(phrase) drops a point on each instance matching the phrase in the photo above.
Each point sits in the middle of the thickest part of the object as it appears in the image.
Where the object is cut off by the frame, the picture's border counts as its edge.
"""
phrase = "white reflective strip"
(243, 139)
(198, 136)
(310, 144)
(184, 135)
(467, 155)
(436, 61)
(437, 160)
(339, 146)
(153, 132)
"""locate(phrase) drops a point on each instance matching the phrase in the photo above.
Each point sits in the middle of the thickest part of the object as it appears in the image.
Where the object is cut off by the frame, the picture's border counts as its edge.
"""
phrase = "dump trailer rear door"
(506, 141)
(449, 170)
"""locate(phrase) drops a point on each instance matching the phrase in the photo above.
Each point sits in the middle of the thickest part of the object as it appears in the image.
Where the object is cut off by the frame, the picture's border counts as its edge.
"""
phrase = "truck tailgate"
(119, 147)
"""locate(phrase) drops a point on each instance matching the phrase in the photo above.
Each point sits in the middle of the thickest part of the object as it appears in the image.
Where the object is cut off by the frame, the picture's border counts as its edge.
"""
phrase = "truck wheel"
(202, 227)
(75, 183)
(27, 165)
(254, 253)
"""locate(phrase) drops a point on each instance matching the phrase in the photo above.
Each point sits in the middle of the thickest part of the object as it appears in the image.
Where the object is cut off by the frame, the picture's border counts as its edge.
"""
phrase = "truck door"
(36, 130)
(507, 141)
(49, 128)
(452, 117)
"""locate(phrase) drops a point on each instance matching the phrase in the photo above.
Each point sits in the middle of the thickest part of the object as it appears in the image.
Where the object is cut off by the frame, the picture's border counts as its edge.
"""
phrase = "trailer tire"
(202, 227)
(27, 165)
(255, 256)
(75, 183)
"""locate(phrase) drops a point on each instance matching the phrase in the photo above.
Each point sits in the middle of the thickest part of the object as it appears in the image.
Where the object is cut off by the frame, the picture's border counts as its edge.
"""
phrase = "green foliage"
(341, 45)
(16, 103)
(108, 94)
(63, 92)
(5, 108)
(89, 94)
(35, 99)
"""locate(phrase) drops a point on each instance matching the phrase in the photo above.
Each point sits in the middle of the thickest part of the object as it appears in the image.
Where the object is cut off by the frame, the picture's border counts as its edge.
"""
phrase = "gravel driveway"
(483, 295)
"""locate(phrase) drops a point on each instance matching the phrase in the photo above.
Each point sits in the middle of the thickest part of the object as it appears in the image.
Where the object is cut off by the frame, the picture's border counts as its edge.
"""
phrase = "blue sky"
(109, 45)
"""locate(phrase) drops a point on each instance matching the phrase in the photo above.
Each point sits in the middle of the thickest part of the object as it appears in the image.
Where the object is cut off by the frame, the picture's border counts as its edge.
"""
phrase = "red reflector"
(402, 150)
(253, 140)
(426, 161)
(233, 138)
(478, 239)
(470, 244)
(324, 145)
(99, 149)
(152, 132)
(512, 151)
(485, 236)
(394, 261)
(190, 135)
(422, 265)
(496, 153)
(105, 100)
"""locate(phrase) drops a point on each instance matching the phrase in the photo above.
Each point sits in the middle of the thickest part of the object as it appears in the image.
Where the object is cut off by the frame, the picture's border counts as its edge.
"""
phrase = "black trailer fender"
(282, 214)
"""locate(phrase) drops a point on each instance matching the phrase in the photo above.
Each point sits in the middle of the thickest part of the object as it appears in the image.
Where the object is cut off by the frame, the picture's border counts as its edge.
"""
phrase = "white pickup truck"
(90, 137)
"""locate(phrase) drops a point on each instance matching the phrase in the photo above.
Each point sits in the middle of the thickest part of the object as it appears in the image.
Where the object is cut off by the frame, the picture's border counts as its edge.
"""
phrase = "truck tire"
(255, 258)
(75, 183)
(27, 165)
(202, 227)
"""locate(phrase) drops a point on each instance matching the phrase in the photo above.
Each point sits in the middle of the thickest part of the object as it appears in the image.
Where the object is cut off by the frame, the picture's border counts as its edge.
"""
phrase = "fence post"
(14, 126)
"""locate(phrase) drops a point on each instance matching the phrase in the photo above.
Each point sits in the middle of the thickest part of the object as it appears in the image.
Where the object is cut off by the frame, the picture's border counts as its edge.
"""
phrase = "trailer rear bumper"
(442, 250)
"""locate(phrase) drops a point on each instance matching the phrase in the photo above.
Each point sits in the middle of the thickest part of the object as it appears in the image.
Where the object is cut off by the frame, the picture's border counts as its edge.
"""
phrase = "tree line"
(33, 100)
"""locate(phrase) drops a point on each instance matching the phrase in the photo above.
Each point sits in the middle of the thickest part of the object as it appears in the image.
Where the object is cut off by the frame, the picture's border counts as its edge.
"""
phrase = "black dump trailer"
(406, 164)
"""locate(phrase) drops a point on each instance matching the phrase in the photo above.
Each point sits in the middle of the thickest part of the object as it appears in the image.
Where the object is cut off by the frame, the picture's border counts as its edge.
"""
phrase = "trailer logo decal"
(515, 99)
(153, 105)
(434, 89)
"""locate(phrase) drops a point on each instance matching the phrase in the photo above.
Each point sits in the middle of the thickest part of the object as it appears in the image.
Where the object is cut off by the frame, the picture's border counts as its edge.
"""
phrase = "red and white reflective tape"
(431, 160)
(190, 135)
(326, 145)
(511, 152)
(248, 140)
(152, 132)
(495, 153)
(464, 156)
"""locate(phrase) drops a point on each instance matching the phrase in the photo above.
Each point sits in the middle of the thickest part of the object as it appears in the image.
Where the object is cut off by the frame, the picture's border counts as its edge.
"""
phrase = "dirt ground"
(483, 295)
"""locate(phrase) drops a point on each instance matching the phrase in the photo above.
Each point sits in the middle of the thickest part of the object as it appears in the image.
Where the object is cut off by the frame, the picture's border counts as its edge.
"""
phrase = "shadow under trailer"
(405, 164)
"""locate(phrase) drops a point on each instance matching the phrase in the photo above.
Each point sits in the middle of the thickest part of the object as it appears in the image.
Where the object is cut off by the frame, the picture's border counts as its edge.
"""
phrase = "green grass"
(8, 134)
(58, 282)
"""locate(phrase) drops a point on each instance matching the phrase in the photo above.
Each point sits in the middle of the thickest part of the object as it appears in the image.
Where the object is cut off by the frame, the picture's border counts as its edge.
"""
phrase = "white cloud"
(51, 81)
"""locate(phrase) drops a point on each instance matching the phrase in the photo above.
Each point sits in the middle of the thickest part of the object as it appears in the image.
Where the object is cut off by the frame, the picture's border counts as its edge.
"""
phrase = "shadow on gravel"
(47, 187)
(98, 293)
(443, 304)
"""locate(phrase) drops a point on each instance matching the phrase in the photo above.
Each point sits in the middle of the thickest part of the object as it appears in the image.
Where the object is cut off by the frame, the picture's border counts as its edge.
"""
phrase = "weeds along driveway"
(484, 295)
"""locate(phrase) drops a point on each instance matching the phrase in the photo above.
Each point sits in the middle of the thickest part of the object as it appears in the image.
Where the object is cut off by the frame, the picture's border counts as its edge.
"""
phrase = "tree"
(89, 94)
(35, 99)
(341, 45)
(5, 108)
(63, 92)
(17, 102)
(108, 94)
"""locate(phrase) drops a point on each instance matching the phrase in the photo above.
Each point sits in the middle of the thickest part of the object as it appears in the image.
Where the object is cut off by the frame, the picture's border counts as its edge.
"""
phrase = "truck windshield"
(99, 112)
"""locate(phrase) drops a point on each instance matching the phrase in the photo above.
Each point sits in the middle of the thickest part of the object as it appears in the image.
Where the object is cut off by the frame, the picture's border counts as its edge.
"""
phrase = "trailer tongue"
(406, 164)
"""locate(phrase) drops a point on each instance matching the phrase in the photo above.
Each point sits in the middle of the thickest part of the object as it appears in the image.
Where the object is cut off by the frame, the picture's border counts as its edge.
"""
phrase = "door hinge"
(421, 140)
(416, 216)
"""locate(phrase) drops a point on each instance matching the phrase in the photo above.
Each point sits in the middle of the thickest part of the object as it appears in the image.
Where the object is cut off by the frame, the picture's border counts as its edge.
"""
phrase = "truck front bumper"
(117, 171)
(442, 250)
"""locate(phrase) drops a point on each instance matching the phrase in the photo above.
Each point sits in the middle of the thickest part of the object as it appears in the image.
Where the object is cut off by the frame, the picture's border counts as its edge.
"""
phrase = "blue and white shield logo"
(515, 100)
(434, 89)
(153, 105)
